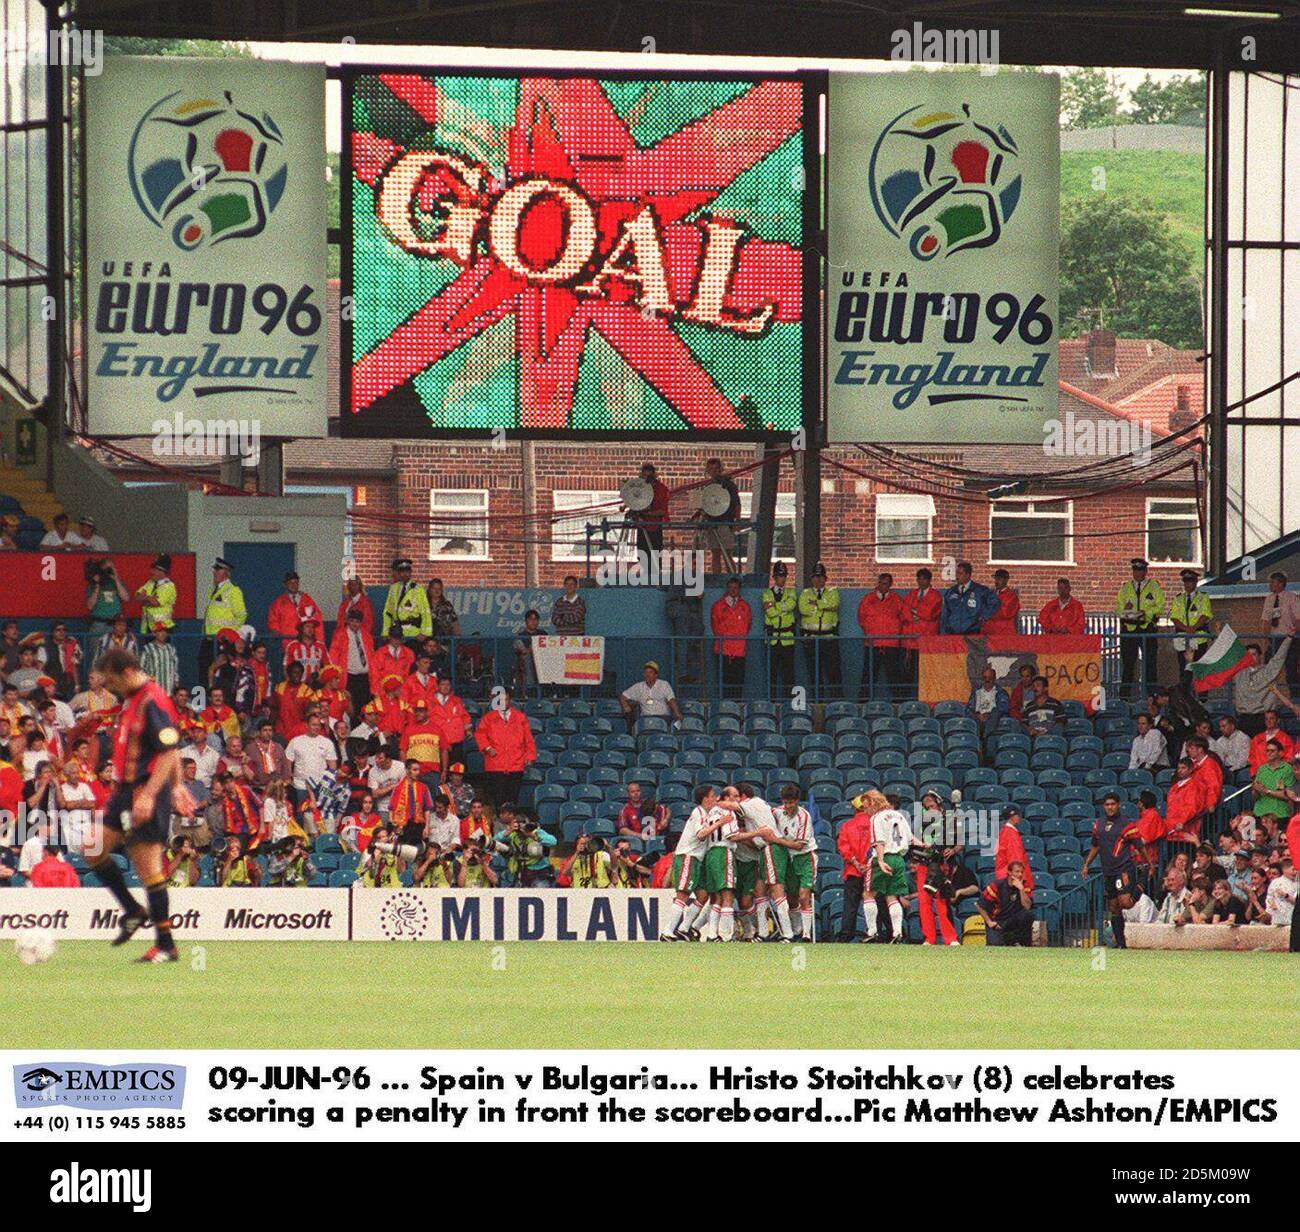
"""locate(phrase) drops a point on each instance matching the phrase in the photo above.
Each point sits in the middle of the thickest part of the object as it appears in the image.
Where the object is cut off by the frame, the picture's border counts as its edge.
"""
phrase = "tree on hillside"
(1122, 266)
(1180, 100)
(1089, 99)
(117, 45)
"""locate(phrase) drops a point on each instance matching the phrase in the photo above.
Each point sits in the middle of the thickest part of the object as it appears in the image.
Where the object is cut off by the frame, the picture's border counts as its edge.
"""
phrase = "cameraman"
(105, 595)
(524, 845)
(379, 867)
(290, 865)
(588, 868)
(628, 869)
(476, 872)
(436, 869)
(182, 867)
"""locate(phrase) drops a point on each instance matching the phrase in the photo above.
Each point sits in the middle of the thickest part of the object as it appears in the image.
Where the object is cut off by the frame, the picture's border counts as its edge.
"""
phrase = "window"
(462, 532)
(569, 535)
(1173, 532)
(1031, 532)
(782, 533)
(903, 527)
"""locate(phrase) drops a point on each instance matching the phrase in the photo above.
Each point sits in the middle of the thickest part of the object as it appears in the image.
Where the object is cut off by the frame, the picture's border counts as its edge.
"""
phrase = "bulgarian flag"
(1221, 662)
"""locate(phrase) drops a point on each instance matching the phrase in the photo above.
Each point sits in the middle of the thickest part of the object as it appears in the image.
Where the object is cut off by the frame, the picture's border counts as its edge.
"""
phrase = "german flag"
(951, 666)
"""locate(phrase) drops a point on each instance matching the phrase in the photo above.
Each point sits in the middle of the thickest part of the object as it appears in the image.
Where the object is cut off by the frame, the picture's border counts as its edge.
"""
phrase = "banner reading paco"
(951, 666)
(206, 217)
(943, 239)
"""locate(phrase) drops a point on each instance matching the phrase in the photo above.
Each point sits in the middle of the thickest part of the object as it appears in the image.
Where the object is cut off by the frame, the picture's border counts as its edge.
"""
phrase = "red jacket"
(383, 663)
(1259, 748)
(511, 740)
(283, 618)
(921, 612)
(1184, 802)
(1004, 623)
(452, 719)
(854, 843)
(414, 691)
(338, 651)
(732, 624)
(1054, 619)
(1011, 847)
(1210, 774)
(53, 874)
(881, 619)
(363, 605)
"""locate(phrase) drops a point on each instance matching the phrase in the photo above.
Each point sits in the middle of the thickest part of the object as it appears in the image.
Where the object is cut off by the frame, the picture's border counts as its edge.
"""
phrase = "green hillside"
(1171, 180)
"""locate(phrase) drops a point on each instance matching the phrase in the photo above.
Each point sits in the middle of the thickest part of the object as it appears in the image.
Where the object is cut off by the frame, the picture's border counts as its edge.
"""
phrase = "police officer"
(1140, 604)
(819, 624)
(407, 605)
(1191, 613)
(780, 612)
(226, 609)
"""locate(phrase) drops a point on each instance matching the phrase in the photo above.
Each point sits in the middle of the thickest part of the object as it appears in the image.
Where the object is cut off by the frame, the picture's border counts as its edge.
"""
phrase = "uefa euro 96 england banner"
(206, 217)
(944, 204)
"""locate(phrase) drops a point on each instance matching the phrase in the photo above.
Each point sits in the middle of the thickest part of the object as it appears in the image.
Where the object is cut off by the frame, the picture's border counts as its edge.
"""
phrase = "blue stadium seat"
(961, 740)
(1140, 779)
(1041, 811)
(1058, 843)
(1025, 794)
(1014, 777)
(342, 878)
(1085, 760)
(884, 759)
(886, 723)
(1065, 862)
(979, 775)
(878, 710)
(1047, 760)
(327, 843)
(926, 742)
(1101, 778)
(1013, 759)
(948, 710)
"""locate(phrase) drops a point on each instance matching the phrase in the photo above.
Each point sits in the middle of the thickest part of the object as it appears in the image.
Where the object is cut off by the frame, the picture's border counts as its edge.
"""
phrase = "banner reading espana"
(569, 659)
(206, 219)
(944, 196)
(951, 666)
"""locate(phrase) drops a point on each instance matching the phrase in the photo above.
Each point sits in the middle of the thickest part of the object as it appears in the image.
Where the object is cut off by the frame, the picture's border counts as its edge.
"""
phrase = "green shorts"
(687, 872)
(773, 861)
(802, 873)
(746, 876)
(719, 869)
(895, 881)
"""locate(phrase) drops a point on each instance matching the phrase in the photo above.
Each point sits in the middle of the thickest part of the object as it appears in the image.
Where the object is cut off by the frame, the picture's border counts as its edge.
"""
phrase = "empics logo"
(131, 1187)
(81, 1084)
(207, 170)
(404, 917)
(943, 182)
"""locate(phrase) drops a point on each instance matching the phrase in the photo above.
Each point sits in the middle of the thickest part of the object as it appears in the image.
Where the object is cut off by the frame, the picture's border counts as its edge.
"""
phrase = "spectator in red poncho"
(730, 619)
(1207, 768)
(1062, 615)
(854, 842)
(290, 608)
(1259, 743)
(356, 600)
(453, 720)
(1184, 804)
(53, 872)
(506, 742)
(1011, 848)
(1003, 622)
(880, 617)
(393, 658)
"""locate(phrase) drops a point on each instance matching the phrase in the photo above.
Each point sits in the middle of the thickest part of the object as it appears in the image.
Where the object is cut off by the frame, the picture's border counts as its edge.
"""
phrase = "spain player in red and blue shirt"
(1119, 843)
(146, 791)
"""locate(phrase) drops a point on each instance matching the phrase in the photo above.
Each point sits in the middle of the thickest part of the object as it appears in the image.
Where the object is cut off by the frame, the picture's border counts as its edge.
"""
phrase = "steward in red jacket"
(505, 740)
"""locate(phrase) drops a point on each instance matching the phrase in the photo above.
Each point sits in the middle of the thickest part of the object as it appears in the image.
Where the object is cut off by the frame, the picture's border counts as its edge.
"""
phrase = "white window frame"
(785, 512)
(1195, 515)
(440, 531)
(1023, 506)
(905, 506)
(568, 546)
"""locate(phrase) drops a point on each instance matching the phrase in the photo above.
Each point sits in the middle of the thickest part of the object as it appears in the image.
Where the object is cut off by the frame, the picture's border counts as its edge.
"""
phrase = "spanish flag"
(582, 666)
(951, 666)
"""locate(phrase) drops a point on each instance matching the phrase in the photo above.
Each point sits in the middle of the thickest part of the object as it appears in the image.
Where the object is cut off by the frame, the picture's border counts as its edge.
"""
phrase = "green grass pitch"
(576, 995)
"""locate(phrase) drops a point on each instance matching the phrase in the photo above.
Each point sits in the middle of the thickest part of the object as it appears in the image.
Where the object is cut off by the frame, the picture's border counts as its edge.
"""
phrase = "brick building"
(474, 514)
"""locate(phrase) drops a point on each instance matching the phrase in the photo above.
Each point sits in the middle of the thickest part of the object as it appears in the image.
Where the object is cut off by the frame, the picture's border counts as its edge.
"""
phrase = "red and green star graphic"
(571, 254)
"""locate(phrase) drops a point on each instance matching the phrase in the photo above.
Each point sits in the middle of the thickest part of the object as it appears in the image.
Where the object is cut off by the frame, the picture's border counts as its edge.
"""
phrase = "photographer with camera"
(524, 844)
(181, 868)
(237, 868)
(105, 595)
(476, 871)
(379, 868)
(588, 868)
(290, 865)
(628, 869)
(436, 869)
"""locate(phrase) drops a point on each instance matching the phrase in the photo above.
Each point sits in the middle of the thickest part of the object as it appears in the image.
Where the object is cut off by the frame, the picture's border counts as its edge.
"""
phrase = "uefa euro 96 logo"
(943, 181)
(207, 170)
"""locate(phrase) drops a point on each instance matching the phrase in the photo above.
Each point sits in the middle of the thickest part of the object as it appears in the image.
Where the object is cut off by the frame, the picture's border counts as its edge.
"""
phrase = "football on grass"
(35, 945)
